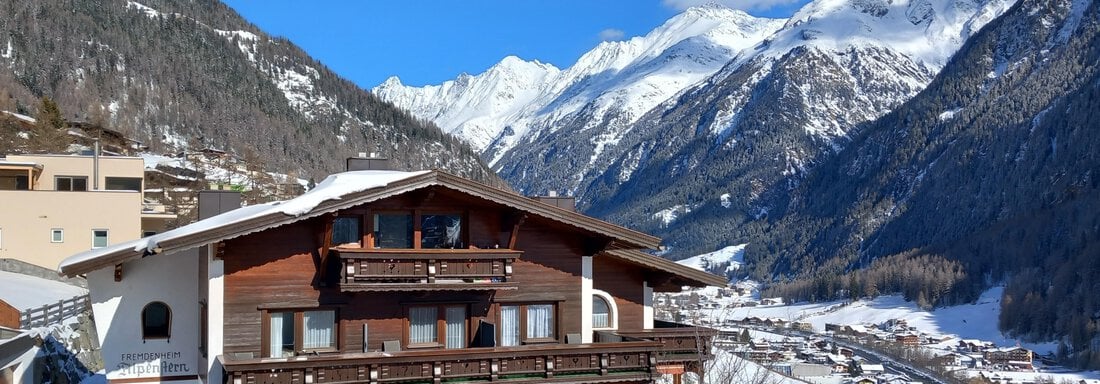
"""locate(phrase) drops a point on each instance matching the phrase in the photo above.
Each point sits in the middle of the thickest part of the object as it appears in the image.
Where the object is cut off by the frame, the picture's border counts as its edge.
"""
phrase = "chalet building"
(58, 205)
(1018, 358)
(384, 276)
(907, 339)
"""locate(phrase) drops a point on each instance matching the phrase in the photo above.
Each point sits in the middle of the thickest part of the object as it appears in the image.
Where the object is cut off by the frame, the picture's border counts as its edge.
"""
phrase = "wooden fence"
(54, 313)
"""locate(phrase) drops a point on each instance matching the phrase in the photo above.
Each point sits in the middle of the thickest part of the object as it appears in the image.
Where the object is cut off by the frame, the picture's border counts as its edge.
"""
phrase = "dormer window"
(393, 230)
(345, 231)
(440, 231)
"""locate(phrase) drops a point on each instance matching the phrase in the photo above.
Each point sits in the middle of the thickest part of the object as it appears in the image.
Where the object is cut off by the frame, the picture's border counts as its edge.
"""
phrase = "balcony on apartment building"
(613, 357)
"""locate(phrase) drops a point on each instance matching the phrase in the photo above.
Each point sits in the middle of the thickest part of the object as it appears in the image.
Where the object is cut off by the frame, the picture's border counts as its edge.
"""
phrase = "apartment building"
(52, 206)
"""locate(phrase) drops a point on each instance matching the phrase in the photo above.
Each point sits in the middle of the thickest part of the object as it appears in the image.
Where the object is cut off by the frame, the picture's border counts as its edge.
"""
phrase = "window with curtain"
(281, 336)
(437, 325)
(509, 325)
(527, 323)
(601, 312)
(540, 321)
(291, 332)
(423, 325)
(318, 330)
(345, 230)
(456, 327)
(156, 321)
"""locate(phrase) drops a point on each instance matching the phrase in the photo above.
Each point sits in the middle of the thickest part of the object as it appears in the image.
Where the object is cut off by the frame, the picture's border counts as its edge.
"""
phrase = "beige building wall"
(67, 165)
(27, 219)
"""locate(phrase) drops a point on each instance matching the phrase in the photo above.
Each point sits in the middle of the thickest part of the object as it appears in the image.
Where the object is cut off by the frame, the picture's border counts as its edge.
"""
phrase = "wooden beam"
(326, 244)
(515, 231)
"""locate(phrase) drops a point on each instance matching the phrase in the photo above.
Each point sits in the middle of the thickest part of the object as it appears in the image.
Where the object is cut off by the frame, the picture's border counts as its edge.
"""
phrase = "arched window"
(156, 321)
(601, 312)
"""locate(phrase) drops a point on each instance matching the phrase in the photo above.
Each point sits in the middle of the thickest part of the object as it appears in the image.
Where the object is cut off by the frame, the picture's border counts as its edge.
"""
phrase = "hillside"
(194, 75)
(988, 175)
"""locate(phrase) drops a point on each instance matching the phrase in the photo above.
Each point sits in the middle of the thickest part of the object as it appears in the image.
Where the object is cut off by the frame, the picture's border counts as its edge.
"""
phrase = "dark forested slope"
(195, 74)
(989, 175)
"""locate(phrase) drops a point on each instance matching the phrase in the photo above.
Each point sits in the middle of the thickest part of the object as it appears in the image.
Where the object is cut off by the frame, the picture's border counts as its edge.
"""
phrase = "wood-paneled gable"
(624, 282)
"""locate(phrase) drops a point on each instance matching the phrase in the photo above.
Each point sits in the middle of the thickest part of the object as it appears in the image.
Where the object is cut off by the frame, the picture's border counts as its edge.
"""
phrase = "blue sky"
(431, 41)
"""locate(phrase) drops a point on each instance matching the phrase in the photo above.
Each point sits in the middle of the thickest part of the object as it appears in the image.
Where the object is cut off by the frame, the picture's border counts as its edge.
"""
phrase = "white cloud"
(611, 34)
(745, 5)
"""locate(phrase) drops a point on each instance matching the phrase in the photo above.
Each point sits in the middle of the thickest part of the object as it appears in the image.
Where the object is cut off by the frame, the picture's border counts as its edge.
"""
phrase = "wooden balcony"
(679, 342)
(617, 362)
(425, 269)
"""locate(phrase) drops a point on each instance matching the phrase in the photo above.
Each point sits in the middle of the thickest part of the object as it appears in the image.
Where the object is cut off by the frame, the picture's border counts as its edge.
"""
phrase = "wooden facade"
(298, 267)
(433, 278)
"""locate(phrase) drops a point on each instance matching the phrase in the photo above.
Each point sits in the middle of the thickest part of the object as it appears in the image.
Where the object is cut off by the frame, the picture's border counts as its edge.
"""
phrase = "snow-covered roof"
(336, 192)
(25, 292)
(332, 188)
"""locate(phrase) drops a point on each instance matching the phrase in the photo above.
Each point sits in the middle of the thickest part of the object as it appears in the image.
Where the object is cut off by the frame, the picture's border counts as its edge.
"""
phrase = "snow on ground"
(968, 321)
(734, 255)
(25, 292)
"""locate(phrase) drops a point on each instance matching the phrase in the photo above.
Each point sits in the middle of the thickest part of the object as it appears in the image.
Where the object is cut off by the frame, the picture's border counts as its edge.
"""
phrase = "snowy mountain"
(615, 83)
(698, 118)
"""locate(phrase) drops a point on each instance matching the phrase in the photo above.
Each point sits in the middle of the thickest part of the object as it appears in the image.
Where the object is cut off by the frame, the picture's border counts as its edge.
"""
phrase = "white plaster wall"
(172, 279)
(586, 299)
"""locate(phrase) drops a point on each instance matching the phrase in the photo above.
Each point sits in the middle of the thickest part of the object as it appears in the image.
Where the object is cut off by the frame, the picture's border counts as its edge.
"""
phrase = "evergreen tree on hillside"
(48, 135)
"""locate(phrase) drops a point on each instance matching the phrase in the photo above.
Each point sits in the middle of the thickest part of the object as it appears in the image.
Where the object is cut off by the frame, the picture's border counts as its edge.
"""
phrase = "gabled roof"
(338, 192)
(681, 274)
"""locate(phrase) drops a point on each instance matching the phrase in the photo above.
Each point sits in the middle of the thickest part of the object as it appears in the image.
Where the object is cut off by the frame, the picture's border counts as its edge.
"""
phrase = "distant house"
(802, 326)
(973, 345)
(1014, 357)
(907, 339)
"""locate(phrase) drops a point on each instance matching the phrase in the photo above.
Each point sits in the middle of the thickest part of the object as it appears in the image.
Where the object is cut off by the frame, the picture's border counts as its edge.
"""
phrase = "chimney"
(213, 203)
(568, 203)
(368, 163)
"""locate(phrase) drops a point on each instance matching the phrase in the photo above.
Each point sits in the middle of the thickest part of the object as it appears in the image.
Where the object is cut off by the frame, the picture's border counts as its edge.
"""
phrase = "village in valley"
(885, 340)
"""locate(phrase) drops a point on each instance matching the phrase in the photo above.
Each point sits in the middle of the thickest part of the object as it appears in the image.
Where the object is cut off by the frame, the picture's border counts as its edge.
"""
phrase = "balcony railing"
(425, 269)
(633, 361)
(679, 342)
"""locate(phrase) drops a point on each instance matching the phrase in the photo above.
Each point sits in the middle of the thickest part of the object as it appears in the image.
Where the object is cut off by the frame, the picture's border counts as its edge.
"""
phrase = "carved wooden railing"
(574, 363)
(679, 342)
(425, 269)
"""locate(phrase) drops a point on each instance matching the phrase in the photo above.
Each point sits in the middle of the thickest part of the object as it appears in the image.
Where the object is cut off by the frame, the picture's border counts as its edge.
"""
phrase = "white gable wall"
(173, 279)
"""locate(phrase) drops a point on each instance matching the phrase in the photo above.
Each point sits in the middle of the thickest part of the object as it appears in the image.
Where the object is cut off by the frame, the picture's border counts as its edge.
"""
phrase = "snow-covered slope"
(729, 259)
(497, 108)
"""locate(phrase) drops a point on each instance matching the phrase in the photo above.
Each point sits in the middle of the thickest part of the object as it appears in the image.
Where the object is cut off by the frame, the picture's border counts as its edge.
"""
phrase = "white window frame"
(60, 231)
(108, 237)
(612, 310)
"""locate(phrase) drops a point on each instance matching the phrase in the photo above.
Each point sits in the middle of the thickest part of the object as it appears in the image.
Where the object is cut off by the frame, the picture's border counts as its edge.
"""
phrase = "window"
(393, 230)
(527, 324)
(122, 183)
(156, 321)
(441, 231)
(57, 235)
(71, 183)
(317, 332)
(601, 312)
(345, 230)
(431, 326)
(99, 238)
(14, 183)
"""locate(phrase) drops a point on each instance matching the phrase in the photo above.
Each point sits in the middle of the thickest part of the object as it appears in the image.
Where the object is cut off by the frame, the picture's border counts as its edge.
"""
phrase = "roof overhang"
(675, 275)
(262, 217)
